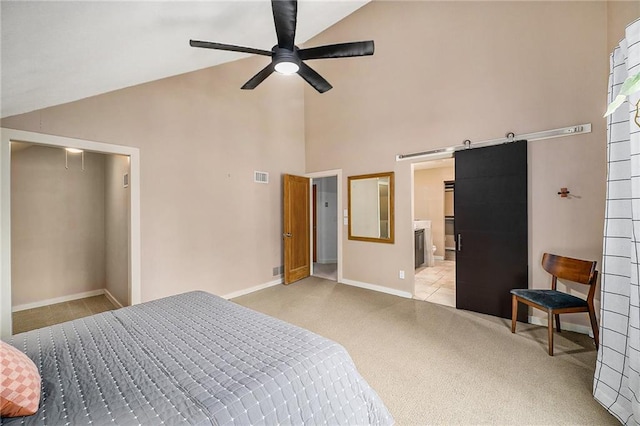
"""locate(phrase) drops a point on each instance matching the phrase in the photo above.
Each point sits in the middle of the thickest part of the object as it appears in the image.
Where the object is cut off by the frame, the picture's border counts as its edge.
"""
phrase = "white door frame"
(9, 135)
(328, 173)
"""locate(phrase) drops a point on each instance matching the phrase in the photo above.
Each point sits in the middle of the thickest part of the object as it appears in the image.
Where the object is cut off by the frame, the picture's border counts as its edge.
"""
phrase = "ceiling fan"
(286, 58)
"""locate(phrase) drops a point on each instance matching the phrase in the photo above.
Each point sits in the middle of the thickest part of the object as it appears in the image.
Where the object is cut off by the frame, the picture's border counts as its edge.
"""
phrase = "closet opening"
(62, 206)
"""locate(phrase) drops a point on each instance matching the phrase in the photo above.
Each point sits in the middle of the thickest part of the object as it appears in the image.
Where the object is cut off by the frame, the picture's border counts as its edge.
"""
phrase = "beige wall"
(619, 15)
(57, 226)
(429, 203)
(444, 72)
(204, 223)
(117, 217)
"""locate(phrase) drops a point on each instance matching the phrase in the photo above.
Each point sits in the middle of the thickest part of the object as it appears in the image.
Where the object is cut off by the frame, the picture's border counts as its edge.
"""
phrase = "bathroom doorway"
(434, 220)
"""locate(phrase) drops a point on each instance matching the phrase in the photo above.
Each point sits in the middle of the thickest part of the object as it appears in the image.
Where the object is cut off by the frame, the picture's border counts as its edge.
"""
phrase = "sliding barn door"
(297, 264)
(490, 207)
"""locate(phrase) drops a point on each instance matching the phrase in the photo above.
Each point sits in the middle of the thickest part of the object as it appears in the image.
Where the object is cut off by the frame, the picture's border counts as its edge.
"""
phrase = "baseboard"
(252, 289)
(582, 329)
(55, 300)
(378, 288)
(438, 257)
(323, 261)
(112, 299)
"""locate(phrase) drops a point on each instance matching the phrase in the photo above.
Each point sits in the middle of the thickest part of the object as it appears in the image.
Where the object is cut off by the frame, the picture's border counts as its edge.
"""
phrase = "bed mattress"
(196, 359)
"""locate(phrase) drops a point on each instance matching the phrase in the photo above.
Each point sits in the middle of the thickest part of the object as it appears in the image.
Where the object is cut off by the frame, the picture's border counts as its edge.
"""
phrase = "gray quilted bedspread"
(194, 359)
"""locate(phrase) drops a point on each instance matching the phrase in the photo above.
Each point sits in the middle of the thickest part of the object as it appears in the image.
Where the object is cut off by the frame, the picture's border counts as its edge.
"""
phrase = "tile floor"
(31, 319)
(437, 284)
(327, 271)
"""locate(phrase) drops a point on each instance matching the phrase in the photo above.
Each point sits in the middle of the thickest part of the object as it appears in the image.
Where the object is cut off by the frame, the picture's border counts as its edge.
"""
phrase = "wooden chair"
(556, 302)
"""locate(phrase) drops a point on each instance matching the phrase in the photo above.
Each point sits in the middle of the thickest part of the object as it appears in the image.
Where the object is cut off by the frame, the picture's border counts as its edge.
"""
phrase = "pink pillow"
(19, 383)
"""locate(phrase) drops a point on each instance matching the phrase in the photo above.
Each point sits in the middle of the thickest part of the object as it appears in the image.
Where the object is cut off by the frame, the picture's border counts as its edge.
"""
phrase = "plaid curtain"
(617, 377)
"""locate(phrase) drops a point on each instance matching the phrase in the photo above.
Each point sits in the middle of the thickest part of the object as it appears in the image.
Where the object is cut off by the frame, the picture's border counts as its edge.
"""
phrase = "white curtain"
(617, 377)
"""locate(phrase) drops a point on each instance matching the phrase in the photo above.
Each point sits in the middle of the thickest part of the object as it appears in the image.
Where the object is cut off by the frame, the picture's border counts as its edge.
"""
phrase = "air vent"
(261, 177)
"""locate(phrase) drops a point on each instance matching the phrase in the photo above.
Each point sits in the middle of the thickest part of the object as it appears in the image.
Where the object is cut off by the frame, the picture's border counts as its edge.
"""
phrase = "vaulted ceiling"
(55, 52)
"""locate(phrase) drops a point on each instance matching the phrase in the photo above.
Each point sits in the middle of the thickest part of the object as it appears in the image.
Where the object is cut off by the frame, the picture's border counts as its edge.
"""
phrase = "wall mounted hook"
(564, 192)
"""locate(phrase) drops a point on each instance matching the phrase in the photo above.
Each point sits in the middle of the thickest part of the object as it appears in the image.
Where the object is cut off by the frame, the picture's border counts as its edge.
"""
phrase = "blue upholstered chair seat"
(550, 299)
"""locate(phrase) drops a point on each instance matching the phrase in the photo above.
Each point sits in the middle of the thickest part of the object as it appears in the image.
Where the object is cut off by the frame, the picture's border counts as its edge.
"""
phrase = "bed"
(198, 359)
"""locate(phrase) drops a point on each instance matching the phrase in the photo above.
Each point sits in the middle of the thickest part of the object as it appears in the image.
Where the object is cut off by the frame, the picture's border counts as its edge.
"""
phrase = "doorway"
(326, 237)
(7, 137)
(325, 227)
(490, 226)
(434, 218)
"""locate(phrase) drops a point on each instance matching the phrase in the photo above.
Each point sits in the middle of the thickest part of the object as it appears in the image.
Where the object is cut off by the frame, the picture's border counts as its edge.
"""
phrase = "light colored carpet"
(433, 364)
(31, 319)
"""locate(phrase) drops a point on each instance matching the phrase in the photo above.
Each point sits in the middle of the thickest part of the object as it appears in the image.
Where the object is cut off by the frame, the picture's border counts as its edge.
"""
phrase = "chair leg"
(514, 312)
(550, 330)
(594, 326)
(558, 323)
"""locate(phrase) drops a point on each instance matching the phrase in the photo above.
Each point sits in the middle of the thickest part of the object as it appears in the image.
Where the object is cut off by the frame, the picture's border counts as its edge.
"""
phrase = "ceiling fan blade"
(285, 15)
(342, 50)
(258, 78)
(313, 78)
(230, 47)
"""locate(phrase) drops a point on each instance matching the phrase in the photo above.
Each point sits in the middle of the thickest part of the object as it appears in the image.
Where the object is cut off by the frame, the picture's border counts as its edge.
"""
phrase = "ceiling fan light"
(286, 68)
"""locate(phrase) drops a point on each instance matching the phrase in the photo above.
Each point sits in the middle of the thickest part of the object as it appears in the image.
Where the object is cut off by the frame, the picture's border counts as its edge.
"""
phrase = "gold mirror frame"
(361, 204)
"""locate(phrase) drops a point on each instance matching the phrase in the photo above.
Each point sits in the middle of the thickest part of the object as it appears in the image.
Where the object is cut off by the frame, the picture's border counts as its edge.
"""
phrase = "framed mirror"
(371, 207)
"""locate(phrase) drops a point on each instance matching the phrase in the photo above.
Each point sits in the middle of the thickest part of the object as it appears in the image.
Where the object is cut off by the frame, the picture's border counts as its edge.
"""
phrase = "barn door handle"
(287, 235)
(459, 242)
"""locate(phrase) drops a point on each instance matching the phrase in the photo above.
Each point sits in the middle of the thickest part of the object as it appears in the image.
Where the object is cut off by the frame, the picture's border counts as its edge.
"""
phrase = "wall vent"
(260, 177)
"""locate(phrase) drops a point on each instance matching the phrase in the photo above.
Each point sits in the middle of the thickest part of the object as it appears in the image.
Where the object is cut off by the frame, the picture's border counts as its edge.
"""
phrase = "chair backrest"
(567, 268)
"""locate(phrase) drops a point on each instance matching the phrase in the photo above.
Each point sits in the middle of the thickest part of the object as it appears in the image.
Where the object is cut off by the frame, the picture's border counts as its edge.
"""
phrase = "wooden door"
(490, 208)
(296, 228)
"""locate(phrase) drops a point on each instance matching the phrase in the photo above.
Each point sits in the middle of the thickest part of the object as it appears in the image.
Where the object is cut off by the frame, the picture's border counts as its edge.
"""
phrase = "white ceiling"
(55, 51)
